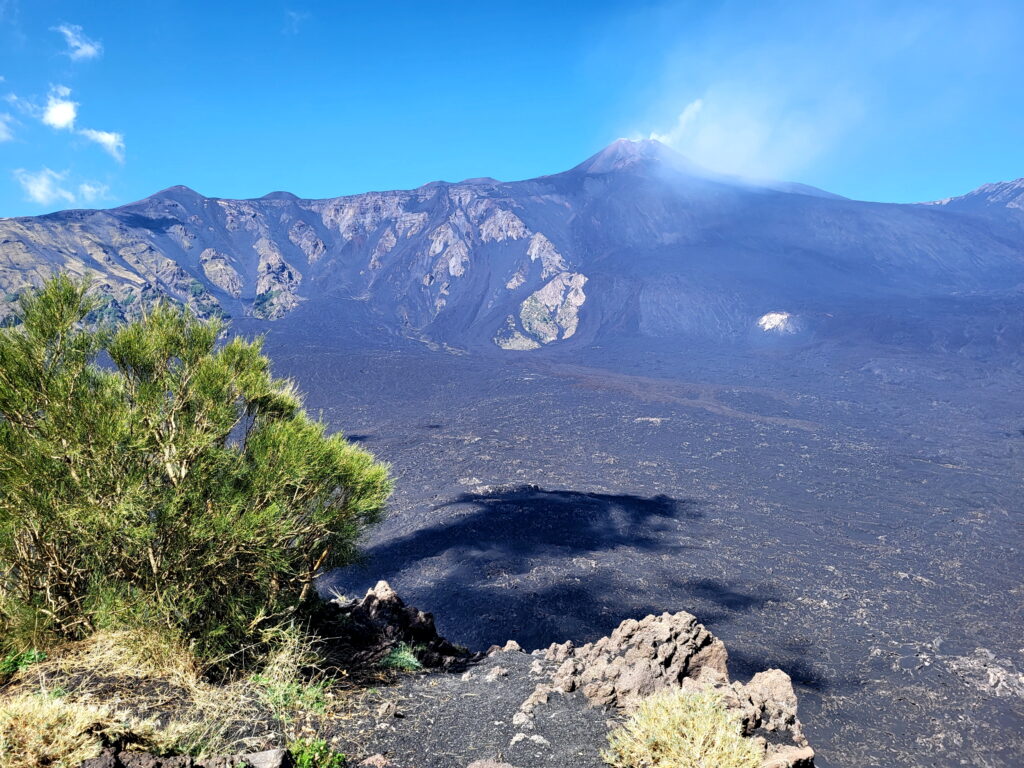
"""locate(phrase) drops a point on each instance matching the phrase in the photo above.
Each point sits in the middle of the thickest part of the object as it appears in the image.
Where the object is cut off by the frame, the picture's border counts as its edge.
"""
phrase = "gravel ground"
(853, 518)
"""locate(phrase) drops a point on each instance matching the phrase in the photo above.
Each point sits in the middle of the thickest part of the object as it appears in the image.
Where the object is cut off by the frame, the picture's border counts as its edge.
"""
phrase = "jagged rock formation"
(551, 707)
(370, 628)
(639, 658)
(642, 657)
(635, 240)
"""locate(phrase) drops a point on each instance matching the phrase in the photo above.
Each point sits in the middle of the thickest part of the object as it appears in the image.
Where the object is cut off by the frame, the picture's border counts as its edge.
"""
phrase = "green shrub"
(403, 658)
(315, 753)
(152, 477)
(674, 729)
(15, 662)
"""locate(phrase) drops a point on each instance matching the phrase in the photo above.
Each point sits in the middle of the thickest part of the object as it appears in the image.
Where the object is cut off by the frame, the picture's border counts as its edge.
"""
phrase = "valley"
(868, 548)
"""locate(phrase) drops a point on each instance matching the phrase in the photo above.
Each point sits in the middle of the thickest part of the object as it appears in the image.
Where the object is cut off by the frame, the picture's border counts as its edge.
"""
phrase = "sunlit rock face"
(548, 314)
(635, 240)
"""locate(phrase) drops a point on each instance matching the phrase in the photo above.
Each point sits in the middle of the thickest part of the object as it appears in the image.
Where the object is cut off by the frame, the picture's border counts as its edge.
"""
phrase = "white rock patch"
(778, 322)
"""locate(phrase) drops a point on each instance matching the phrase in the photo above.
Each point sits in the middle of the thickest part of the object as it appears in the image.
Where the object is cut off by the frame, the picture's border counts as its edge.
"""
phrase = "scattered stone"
(106, 760)
(770, 702)
(522, 721)
(273, 758)
(559, 652)
(510, 647)
(991, 675)
(376, 761)
(488, 764)
(495, 673)
(539, 740)
(790, 757)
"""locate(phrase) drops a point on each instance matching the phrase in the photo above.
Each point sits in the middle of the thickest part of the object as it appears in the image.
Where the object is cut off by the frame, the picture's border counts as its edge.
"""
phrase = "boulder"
(639, 658)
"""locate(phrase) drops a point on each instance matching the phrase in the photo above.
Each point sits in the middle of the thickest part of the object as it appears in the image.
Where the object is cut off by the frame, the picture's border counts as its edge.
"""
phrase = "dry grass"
(674, 729)
(145, 688)
(163, 701)
(126, 654)
(40, 730)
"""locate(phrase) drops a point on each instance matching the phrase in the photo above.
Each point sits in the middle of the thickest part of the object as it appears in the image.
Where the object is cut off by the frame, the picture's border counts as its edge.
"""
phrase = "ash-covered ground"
(851, 517)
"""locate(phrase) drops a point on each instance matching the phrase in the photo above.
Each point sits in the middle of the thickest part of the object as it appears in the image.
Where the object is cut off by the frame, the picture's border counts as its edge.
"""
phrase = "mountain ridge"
(634, 240)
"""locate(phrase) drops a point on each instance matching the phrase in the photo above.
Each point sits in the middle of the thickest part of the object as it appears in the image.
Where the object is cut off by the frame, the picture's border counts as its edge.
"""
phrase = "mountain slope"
(634, 240)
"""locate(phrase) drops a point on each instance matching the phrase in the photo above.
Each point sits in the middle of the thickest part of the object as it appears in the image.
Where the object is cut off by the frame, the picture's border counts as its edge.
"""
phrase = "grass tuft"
(53, 711)
(676, 729)
(290, 681)
(315, 753)
(127, 654)
(402, 658)
(173, 709)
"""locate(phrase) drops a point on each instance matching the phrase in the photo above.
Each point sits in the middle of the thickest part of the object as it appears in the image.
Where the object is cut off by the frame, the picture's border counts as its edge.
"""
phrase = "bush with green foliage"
(677, 729)
(151, 475)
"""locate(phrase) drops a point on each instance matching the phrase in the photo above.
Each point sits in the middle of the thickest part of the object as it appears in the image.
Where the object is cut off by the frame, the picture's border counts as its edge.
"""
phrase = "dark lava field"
(853, 518)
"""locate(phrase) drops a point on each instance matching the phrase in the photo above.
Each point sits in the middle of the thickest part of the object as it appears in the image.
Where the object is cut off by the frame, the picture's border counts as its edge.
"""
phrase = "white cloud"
(79, 46)
(90, 191)
(293, 20)
(43, 187)
(60, 111)
(6, 134)
(112, 142)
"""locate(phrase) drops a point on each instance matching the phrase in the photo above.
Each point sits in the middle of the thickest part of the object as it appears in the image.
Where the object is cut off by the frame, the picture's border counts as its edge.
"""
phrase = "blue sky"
(106, 102)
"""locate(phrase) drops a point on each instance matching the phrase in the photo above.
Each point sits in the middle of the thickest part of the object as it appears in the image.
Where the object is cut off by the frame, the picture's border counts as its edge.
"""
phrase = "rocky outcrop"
(552, 312)
(304, 237)
(642, 657)
(371, 627)
(218, 270)
(277, 282)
